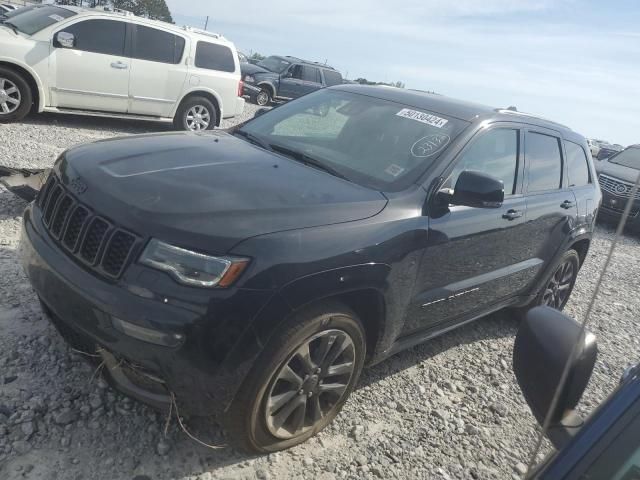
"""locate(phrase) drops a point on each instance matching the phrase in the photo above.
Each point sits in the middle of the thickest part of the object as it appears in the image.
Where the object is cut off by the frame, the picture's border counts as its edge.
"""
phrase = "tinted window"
(34, 20)
(214, 57)
(545, 162)
(332, 78)
(577, 165)
(494, 153)
(629, 158)
(296, 72)
(311, 74)
(157, 46)
(99, 36)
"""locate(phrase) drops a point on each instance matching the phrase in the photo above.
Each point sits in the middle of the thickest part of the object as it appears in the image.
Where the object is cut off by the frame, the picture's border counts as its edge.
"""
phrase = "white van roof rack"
(201, 32)
(119, 11)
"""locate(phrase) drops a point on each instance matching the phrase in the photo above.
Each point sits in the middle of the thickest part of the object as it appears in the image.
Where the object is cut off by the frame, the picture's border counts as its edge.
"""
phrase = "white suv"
(101, 63)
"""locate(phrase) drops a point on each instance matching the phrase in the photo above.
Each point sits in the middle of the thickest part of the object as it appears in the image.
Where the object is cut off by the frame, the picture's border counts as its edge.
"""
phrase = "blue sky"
(573, 61)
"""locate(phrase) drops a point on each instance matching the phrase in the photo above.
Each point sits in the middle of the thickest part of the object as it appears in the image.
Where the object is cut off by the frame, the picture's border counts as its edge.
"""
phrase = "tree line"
(153, 9)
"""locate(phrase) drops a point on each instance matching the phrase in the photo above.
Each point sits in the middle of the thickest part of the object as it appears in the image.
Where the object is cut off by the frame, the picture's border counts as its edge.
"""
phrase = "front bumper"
(613, 206)
(203, 373)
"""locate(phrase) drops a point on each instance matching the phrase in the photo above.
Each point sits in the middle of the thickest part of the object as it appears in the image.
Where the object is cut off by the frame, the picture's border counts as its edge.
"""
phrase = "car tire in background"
(16, 97)
(195, 114)
(300, 381)
(263, 97)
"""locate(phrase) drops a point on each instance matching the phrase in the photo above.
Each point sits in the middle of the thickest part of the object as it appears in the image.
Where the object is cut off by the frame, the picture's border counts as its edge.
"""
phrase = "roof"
(292, 59)
(460, 109)
(157, 23)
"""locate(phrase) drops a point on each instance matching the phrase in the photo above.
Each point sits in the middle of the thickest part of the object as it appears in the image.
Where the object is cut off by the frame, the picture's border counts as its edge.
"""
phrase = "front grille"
(617, 187)
(91, 239)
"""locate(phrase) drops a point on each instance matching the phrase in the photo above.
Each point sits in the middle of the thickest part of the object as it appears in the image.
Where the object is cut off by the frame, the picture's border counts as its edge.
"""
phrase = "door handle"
(119, 65)
(512, 214)
(567, 204)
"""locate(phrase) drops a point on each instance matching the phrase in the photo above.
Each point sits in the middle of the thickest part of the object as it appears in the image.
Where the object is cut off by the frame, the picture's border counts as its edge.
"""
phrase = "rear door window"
(157, 46)
(577, 165)
(544, 160)
(99, 36)
(332, 78)
(215, 57)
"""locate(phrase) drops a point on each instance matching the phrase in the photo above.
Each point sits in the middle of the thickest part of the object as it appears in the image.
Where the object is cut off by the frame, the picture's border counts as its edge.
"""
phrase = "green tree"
(153, 9)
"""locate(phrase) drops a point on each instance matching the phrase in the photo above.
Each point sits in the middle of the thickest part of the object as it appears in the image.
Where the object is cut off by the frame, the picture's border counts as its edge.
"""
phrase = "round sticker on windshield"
(430, 145)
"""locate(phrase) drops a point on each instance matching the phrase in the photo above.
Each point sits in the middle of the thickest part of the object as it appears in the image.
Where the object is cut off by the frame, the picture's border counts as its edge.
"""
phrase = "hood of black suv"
(207, 191)
(621, 172)
(250, 69)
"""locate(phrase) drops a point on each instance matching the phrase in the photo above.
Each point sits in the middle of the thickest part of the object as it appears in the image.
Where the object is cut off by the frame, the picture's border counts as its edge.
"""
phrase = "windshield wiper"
(307, 160)
(10, 25)
(254, 139)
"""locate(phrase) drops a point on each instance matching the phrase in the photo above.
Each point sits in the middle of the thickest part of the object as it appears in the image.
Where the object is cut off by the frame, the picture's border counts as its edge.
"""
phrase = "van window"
(157, 46)
(99, 36)
(332, 78)
(577, 165)
(542, 153)
(214, 57)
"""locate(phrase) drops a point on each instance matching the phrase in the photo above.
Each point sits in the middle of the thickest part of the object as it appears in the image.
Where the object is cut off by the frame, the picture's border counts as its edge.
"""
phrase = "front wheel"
(263, 98)
(15, 96)
(195, 114)
(300, 381)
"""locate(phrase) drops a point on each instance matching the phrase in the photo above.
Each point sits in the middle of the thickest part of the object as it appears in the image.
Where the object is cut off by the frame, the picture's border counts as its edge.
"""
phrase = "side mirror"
(477, 189)
(64, 40)
(546, 341)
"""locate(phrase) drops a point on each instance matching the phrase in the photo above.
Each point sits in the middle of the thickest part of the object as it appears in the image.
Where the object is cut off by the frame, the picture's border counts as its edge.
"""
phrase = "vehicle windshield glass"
(628, 158)
(34, 20)
(16, 12)
(374, 142)
(274, 64)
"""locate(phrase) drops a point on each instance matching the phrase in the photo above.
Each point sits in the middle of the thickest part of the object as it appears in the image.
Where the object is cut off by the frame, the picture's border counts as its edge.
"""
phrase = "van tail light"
(240, 88)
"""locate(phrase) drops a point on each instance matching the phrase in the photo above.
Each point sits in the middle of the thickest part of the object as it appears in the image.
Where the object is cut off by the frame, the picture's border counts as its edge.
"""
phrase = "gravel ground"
(447, 409)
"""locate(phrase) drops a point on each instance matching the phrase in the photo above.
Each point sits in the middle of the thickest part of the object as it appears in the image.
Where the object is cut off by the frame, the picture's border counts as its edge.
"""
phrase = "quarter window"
(332, 78)
(577, 165)
(99, 36)
(545, 162)
(214, 57)
(494, 153)
(157, 46)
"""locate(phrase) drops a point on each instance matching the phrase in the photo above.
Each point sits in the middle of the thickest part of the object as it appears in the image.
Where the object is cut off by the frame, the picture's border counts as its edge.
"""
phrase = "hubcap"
(9, 96)
(198, 118)
(310, 383)
(557, 292)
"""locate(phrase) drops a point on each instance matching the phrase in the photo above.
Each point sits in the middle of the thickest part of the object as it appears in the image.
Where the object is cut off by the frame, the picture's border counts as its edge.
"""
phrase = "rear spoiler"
(24, 182)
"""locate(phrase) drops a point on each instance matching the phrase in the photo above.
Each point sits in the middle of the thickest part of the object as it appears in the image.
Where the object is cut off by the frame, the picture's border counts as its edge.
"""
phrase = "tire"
(265, 415)
(16, 97)
(552, 294)
(196, 114)
(263, 98)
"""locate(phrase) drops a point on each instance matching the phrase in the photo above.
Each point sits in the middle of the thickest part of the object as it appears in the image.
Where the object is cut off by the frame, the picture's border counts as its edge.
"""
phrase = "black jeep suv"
(285, 78)
(252, 273)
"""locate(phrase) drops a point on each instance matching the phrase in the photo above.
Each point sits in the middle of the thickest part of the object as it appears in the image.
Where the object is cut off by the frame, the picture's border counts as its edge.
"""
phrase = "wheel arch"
(582, 247)
(211, 95)
(270, 86)
(32, 78)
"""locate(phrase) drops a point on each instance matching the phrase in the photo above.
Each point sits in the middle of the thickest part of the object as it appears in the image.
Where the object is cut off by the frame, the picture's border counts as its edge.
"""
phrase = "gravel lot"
(446, 409)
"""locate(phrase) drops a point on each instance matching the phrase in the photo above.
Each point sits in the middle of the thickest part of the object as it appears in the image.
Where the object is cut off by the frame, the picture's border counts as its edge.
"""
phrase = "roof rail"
(201, 32)
(512, 111)
(119, 11)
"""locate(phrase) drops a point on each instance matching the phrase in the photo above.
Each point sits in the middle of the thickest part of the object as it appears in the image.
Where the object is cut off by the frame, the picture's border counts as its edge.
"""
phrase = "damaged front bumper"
(24, 182)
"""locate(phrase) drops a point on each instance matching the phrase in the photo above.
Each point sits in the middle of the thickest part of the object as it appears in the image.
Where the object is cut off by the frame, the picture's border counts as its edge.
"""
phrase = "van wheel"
(195, 114)
(300, 381)
(15, 96)
(263, 98)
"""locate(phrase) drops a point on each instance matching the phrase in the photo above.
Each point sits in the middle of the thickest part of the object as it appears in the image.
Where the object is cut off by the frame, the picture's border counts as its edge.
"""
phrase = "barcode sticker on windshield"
(427, 118)
(55, 17)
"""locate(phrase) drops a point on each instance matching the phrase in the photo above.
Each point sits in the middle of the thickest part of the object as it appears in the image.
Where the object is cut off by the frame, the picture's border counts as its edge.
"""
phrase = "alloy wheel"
(198, 118)
(262, 98)
(310, 383)
(558, 289)
(10, 97)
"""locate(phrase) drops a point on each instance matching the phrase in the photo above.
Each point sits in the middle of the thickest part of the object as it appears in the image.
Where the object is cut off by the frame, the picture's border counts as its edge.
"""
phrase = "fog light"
(147, 334)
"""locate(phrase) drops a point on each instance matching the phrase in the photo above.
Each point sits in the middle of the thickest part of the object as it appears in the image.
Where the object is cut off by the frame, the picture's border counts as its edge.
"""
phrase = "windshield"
(17, 11)
(374, 142)
(628, 158)
(34, 20)
(274, 64)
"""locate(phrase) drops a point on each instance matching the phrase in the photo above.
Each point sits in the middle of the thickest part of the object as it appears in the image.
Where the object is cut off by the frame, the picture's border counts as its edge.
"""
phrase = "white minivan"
(111, 63)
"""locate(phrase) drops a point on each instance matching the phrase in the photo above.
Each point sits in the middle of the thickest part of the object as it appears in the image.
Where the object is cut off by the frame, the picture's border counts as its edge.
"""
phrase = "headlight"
(193, 268)
(249, 79)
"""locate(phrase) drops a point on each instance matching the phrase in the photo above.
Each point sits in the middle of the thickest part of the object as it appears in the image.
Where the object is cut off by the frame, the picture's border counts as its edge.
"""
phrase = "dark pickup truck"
(285, 78)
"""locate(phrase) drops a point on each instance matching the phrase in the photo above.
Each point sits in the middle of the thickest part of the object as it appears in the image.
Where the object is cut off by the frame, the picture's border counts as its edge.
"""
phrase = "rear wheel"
(15, 96)
(300, 381)
(263, 98)
(195, 114)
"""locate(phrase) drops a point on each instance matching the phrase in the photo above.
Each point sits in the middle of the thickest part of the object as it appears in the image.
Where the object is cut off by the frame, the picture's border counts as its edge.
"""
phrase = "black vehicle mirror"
(543, 346)
(289, 74)
(477, 189)
(64, 40)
